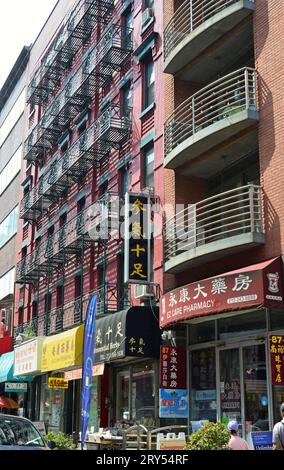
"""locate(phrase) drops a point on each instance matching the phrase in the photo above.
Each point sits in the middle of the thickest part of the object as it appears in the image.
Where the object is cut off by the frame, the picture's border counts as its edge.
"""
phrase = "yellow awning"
(63, 350)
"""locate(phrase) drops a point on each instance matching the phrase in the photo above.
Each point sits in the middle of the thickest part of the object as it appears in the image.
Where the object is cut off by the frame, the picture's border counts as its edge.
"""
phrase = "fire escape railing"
(73, 34)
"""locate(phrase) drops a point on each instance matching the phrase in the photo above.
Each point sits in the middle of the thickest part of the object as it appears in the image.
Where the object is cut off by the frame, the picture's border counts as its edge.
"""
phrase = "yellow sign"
(55, 382)
(63, 350)
(172, 444)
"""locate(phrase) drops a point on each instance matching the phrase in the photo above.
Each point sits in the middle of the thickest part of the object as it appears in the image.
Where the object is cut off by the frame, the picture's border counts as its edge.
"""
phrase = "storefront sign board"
(63, 350)
(57, 383)
(28, 357)
(18, 387)
(253, 286)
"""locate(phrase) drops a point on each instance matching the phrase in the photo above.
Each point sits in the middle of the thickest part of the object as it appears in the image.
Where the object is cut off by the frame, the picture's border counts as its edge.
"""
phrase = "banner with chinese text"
(276, 345)
(172, 367)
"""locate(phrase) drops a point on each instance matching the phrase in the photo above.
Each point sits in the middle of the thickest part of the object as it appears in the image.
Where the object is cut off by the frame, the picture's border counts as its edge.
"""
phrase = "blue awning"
(7, 369)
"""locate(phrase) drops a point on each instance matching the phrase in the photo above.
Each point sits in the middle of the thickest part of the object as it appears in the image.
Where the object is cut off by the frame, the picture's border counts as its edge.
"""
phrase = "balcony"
(110, 299)
(38, 200)
(221, 225)
(201, 35)
(217, 114)
(114, 47)
(34, 266)
(73, 34)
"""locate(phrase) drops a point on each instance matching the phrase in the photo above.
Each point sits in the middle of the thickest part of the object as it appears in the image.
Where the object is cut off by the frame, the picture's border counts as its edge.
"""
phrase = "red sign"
(172, 367)
(6, 344)
(256, 285)
(276, 344)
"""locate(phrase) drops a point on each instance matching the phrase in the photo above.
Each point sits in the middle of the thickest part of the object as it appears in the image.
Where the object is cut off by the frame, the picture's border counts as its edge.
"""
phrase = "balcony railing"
(110, 299)
(188, 17)
(76, 30)
(220, 100)
(37, 200)
(115, 46)
(218, 218)
(90, 226)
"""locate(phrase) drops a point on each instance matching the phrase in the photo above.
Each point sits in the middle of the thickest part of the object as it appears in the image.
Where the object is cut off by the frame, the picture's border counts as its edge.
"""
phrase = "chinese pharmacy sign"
(137, 238)
(276, 344)
(172, 367)
(257, 285)
(57, 383)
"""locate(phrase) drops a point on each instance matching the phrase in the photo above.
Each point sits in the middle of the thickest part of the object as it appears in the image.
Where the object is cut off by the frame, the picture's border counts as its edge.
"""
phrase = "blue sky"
(20, 23)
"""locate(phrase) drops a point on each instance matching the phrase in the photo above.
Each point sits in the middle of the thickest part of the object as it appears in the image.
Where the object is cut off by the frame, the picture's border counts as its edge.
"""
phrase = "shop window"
(240, 325)
(203, 396)
(148, 167)
(202, 332)
(276, 319)
(136, 391)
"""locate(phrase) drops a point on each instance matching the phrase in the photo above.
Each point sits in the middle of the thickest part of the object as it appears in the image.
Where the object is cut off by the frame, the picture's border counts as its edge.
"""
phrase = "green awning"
(7, 369)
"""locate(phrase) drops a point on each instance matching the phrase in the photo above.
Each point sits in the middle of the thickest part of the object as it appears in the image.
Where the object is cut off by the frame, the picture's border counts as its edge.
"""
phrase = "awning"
(253, 286)
(28, 357)
(130, 333)
(7, 369)
(63, 351)
(8, 403)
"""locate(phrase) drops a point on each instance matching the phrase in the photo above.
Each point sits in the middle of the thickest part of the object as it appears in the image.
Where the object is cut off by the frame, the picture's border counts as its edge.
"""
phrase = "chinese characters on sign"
(137, 238)
(56, 383)
(172, 367)
(276, 344)
(254, 286)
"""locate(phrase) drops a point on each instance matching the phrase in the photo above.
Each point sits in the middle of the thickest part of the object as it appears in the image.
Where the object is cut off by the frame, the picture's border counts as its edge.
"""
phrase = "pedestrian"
(236, 442)
(278, 432)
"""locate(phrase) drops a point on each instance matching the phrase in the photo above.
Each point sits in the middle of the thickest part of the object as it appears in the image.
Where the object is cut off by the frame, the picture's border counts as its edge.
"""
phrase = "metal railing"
(75, 31)
(110, 299)
(115, 46)
(89, 226)
(34, 203)
(221, 99)
(188, 17)
(219, 217)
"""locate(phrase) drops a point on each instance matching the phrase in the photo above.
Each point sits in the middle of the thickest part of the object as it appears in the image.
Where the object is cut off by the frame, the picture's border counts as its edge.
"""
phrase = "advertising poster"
(173, 403)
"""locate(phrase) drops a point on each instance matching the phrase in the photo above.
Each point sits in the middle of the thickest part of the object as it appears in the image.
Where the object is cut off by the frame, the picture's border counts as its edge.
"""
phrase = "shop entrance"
(242, 387)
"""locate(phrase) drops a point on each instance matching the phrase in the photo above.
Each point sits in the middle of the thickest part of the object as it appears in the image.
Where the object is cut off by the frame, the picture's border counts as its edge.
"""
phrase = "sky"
(20, 23)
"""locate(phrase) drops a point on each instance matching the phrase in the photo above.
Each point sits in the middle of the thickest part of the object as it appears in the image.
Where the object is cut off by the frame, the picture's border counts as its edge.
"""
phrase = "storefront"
(128, 342)
(235, 343)
(8, 381)
(28, 363)
(60, 353)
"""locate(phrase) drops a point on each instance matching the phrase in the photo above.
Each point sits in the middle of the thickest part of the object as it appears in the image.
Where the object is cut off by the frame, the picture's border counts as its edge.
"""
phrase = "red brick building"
(94, 130)
(223, 155)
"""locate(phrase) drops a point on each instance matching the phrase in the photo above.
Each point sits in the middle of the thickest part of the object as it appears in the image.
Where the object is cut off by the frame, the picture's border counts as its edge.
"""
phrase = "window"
(127, 29)
(10, 170)
(12, 117)
(59, 296)
(78, 286)
(81, 205)
(203, 385)
(124, 180)
(148, 4)
(8, 228)
(148, 167)
(149, 82)
(35, 309)
(7, 284)
(126, 100)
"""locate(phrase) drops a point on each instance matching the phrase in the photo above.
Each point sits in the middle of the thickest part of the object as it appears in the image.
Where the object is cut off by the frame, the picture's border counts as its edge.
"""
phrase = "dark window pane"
(241, 324)
(202, 332)
(148, 167)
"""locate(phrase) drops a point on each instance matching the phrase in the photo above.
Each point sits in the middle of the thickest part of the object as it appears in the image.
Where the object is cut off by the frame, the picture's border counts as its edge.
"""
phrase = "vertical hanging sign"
(137, 235)
(276, 344)
(88, 360)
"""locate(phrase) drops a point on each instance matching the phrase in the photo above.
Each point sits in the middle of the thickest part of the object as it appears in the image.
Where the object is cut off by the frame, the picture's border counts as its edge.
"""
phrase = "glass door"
(255, 389)
(243, 394)
(230, 385)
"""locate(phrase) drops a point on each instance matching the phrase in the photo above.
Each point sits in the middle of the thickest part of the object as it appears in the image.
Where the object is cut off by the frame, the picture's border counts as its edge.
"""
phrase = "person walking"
(278, 432)
(236, 442)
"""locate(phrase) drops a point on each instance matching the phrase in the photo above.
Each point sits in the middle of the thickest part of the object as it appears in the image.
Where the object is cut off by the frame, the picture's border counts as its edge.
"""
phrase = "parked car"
(18, 433)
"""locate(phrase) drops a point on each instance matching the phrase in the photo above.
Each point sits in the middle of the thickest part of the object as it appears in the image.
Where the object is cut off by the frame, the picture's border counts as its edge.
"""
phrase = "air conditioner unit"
(147, 15)
(143, 291)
